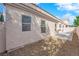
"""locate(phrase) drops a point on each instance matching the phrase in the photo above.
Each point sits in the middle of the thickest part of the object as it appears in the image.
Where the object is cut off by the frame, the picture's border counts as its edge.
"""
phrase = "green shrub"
(1, 18)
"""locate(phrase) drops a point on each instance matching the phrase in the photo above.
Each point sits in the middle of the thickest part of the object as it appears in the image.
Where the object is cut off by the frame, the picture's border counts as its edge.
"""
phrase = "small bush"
(1, 18)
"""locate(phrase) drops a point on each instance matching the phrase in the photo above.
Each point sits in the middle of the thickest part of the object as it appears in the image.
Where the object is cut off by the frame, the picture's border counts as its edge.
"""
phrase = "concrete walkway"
(65, 35)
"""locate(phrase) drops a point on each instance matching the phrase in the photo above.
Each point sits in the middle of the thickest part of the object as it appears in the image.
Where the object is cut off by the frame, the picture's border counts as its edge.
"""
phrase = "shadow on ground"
(49, 47)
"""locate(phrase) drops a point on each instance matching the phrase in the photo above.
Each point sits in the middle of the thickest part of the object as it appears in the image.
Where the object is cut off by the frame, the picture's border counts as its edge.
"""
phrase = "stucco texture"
(14, 35)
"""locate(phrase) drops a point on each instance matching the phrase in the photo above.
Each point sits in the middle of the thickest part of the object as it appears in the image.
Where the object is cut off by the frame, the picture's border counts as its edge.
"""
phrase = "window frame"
(23, 23)
(43, 26)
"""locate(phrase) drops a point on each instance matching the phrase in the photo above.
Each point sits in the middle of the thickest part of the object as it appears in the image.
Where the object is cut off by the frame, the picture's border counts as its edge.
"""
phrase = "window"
(26, 23)
(66, 25)
(43, 27)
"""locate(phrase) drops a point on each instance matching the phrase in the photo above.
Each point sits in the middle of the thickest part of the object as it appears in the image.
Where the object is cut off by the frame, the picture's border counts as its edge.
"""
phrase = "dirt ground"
(49, 47)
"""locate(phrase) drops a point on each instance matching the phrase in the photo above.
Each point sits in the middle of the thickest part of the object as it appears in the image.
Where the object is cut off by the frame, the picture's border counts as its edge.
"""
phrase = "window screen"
(43, 27)
(26, 23)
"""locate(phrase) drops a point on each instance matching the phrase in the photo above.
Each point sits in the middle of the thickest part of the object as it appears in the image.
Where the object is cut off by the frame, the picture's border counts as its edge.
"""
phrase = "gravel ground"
(49, 47)
(44, 47)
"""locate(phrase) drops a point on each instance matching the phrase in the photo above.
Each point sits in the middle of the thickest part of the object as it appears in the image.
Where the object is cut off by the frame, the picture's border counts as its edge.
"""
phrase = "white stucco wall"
(51, 26)
(63, 27)
(14, 35)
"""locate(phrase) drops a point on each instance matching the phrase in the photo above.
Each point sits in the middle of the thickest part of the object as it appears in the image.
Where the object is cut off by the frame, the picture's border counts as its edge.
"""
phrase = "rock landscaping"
(49, 47)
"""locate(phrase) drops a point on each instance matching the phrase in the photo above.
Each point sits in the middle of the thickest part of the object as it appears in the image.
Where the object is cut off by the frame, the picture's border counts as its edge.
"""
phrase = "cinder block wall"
(2, 38)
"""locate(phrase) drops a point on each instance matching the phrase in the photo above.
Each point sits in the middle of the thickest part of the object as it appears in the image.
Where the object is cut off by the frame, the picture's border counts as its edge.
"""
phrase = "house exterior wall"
(58, 28)
(2, 38)
(61, 27)
(14, 35)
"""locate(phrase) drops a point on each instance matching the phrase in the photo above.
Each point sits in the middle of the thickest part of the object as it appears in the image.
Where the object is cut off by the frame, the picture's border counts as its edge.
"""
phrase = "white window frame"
(26, 23)
(43, 26)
